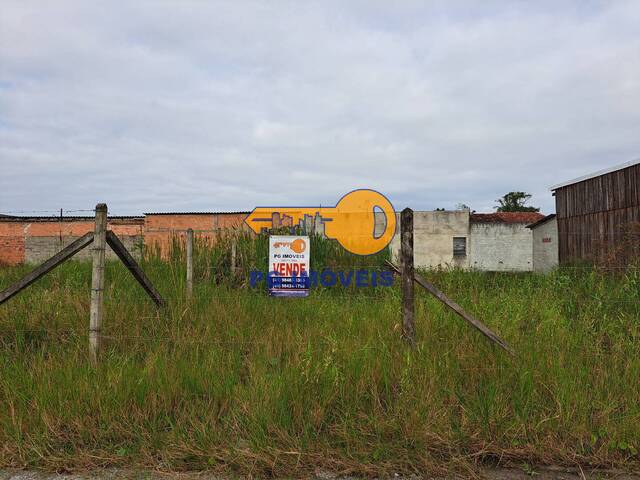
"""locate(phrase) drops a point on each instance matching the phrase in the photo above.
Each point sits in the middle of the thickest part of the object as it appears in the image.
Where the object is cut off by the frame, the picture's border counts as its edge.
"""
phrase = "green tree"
(515, 202)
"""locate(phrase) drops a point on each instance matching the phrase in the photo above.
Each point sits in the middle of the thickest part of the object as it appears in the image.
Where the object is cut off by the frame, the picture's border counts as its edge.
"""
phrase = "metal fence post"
(406, 254)
(190, 262)
(97, 280)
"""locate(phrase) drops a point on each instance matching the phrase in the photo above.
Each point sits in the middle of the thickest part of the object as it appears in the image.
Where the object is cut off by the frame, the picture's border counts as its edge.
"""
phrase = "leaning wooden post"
(406, 255)
(97, 279)
(190, 262)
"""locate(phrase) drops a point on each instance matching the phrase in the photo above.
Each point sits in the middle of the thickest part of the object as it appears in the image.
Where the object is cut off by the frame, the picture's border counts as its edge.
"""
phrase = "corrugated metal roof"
(506, 217)
(542, 220)
(596, 174)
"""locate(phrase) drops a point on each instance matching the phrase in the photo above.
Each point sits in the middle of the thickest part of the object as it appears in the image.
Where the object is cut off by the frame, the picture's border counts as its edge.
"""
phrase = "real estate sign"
(289, 265)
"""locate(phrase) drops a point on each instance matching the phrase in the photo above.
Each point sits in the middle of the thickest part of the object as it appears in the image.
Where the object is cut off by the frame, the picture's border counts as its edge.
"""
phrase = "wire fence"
(51, 212)
(169, 240)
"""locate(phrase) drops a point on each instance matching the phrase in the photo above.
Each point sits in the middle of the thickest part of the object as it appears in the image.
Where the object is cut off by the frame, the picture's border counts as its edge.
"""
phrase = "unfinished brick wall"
(36, 240)
(33, 239)
(162, 229)
(11, 243)
(231, 220)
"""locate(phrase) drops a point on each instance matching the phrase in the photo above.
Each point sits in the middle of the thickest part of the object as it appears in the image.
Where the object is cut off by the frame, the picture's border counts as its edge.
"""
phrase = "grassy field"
(241, 383)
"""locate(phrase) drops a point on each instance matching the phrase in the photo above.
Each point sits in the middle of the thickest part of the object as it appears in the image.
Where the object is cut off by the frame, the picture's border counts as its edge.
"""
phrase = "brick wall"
(39, 249)
(161, 230)
(11, 243)
(35, 240)
(490, 246)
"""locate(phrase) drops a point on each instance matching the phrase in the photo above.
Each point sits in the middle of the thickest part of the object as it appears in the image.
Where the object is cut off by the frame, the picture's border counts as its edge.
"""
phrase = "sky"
(208, 106)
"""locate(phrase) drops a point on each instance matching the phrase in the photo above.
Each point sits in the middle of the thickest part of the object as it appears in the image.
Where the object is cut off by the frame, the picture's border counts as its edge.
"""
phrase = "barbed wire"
(230, 230)
(244, 228)
(56, 212)
(328, 265)
(353, 292)
(53, 212)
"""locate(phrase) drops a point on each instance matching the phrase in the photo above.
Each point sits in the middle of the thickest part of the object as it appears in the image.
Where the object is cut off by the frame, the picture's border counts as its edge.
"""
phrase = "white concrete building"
(484, 241)
(501, 241)
(545, 243)
(434, 234)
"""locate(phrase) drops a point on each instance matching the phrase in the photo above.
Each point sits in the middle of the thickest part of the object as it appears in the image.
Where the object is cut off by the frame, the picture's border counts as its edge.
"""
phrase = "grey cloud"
(228, 105)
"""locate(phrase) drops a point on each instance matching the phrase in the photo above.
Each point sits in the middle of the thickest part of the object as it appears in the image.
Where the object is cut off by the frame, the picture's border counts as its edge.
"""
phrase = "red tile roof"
(543, 220)
(506, 217)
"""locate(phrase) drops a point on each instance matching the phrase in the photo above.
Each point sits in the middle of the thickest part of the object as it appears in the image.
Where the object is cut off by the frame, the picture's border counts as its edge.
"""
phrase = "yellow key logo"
(352, 222)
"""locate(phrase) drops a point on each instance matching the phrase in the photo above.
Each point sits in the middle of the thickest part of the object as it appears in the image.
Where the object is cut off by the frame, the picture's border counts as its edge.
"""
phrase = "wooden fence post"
(97, 279)
(190, 262)
(128, 261)
(406, 255)
(433, 290)
(60, 257)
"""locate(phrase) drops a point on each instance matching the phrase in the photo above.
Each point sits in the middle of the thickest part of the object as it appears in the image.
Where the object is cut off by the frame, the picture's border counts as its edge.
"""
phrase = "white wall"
(433, 234)
(501, 247)
(545, 246)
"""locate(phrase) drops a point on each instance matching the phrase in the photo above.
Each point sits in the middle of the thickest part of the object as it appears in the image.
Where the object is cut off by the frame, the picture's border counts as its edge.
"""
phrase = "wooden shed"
(599, 216)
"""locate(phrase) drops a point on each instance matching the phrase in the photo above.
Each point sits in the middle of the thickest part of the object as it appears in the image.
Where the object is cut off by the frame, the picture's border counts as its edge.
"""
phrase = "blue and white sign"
(289, 265)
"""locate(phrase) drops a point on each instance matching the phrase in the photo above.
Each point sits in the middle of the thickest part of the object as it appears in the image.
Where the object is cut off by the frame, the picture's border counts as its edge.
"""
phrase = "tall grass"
(237, 382)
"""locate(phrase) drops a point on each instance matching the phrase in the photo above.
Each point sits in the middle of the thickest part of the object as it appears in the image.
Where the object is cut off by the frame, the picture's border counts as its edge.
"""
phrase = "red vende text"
(288, 269)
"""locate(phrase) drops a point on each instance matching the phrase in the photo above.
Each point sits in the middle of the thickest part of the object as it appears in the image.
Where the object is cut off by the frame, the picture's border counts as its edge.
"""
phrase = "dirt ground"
(543, 473)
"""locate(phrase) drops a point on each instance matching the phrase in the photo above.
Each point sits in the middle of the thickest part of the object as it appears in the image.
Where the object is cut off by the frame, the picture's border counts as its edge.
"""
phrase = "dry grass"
(240, 383)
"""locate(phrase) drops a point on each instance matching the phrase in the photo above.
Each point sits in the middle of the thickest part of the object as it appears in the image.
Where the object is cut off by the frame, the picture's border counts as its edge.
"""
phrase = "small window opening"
(459, 246)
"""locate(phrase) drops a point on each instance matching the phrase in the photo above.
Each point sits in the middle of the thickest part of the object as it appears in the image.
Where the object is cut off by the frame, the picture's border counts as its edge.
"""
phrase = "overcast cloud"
(178, 105)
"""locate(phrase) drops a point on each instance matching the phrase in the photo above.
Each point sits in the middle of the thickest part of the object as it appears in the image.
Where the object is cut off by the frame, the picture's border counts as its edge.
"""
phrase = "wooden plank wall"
(599, 218)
